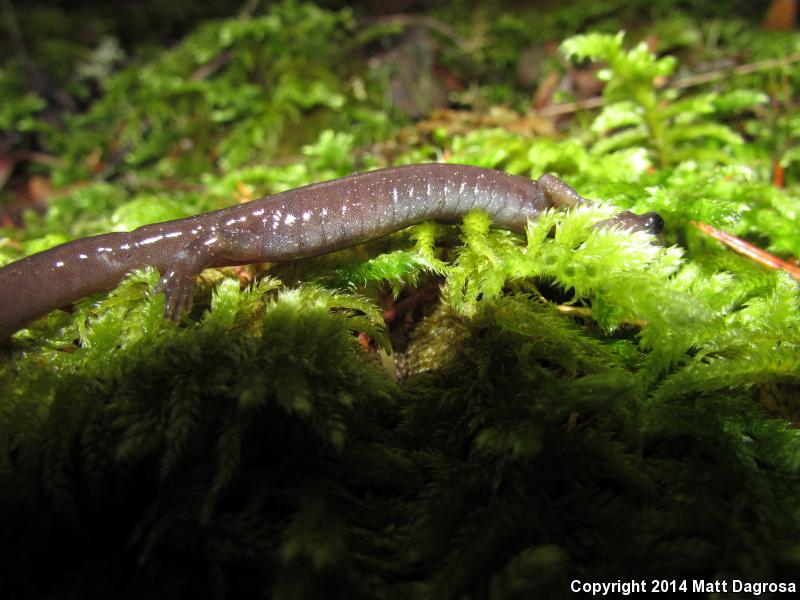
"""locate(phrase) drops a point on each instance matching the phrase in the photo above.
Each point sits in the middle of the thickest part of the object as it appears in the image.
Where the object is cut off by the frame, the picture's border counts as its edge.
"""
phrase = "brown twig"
(248, 9)
(430, 23)
(579, 311)
(37, 79)
(212, 66)
(746, 249)
(39, 157)
(222, 59)
(693, 80)
(18, 43)
(566, 108)
(761, 65)
(585, 312)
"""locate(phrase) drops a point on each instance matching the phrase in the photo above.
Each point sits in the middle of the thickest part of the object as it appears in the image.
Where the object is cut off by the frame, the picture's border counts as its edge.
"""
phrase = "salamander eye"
(653, 222)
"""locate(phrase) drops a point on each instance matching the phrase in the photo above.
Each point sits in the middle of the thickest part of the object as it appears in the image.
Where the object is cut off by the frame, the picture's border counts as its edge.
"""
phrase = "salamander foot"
(177, 294)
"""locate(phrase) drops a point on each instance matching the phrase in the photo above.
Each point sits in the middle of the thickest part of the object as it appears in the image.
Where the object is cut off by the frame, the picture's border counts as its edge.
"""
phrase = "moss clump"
(577, 402)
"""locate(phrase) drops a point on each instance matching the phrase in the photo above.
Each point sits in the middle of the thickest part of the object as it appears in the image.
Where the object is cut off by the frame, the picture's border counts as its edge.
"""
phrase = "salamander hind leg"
(559, 193)
(217, 249)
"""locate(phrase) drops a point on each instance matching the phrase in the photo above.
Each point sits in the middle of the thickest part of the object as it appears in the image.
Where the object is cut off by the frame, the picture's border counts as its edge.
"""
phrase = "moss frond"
(578, 402)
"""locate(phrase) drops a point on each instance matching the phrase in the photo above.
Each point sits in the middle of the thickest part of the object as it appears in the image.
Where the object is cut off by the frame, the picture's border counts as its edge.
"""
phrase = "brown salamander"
(297, 223)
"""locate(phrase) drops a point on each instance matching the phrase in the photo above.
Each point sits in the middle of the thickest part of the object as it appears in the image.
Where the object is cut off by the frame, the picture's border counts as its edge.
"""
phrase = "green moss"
(579, 402)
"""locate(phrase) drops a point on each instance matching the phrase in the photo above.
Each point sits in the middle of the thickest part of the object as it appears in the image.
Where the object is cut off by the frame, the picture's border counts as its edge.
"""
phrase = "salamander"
(302, 222)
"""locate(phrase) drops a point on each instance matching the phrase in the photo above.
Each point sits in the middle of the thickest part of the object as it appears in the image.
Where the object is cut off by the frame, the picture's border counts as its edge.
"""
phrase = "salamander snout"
(650, 222)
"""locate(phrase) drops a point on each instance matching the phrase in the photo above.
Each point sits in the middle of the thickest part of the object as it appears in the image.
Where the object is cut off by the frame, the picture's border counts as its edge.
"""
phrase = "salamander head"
(650, 222)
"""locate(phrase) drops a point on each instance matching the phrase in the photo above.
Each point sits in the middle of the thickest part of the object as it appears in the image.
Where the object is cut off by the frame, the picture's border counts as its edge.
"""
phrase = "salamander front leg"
(558, 193)
(222, 248)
